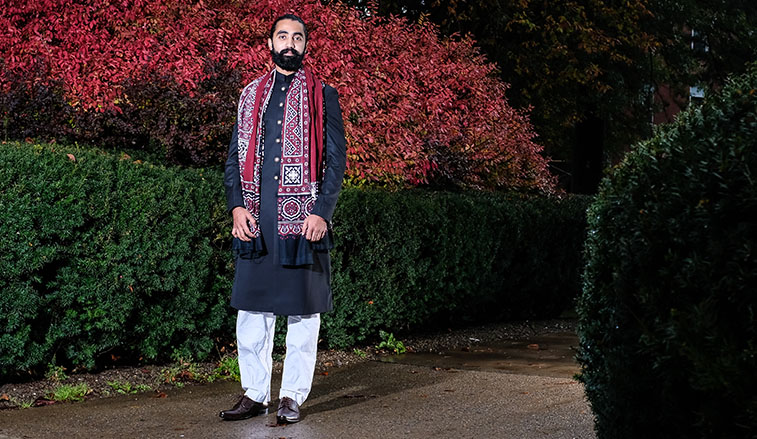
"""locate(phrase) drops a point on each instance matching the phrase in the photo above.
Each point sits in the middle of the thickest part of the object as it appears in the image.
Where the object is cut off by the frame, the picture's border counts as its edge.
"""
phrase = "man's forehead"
(290, 27)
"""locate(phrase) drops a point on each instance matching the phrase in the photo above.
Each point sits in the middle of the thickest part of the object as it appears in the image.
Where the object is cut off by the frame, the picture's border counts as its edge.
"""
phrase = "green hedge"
(107, 256)
(405, 261)
(104, 255)
(667, 317)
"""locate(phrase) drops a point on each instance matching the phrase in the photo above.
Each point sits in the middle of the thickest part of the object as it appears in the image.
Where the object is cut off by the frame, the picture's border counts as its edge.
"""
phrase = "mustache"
(292, 51)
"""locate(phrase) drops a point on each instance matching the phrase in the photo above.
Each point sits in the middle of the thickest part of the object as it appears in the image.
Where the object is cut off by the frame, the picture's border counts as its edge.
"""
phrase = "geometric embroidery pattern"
(290, 208)
(292, 174)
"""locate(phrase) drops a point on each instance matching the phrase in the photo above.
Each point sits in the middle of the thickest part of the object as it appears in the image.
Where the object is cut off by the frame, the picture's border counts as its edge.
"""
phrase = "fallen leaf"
(40, 402)
(71, 157)
(325, 374)
(29, 140)
(533, 346)
(4, 397)
(328, 364)
(161, 395)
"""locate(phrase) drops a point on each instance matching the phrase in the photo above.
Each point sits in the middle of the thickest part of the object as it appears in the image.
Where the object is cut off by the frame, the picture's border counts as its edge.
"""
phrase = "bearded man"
(283, 176)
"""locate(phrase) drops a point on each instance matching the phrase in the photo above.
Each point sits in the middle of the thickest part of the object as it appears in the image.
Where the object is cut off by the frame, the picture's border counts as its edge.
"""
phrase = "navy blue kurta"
(262, 283)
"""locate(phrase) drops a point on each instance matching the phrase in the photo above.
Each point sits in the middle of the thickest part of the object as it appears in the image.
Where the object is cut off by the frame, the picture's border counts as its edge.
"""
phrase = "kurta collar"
(282, 79)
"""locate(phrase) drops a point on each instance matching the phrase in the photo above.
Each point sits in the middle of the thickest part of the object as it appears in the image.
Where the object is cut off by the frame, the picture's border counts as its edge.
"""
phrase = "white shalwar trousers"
(255, 346)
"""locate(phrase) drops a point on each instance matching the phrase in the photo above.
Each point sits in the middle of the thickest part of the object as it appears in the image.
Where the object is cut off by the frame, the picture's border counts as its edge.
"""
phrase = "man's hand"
(314, 228)
(243, 222)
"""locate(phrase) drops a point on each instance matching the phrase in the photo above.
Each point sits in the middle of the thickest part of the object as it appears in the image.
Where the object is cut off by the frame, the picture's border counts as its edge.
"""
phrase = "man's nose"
(289, 43)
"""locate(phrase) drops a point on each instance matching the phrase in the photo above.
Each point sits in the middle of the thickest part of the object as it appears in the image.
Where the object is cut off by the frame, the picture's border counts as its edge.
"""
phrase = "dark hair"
(289, 17)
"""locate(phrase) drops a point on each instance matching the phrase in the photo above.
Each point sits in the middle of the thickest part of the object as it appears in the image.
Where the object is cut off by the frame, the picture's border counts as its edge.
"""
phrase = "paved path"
(406, 399)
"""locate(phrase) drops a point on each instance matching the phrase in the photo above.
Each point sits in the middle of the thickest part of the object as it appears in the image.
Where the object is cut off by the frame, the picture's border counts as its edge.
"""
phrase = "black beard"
(288, 63)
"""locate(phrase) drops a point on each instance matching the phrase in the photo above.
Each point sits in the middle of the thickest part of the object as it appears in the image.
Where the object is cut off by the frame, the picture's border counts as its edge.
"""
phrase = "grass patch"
(184, 371)
(68, 392)
(359, 353)
(55, 373)
(390, 343)
(22, 404)
(228, 368)
(128, 388)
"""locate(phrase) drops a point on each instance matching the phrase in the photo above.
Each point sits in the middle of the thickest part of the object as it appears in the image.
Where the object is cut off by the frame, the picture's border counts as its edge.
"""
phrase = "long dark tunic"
(263, 284)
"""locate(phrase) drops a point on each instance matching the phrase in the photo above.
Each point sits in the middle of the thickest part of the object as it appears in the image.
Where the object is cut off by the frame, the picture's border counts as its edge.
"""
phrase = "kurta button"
(281, 104)
(276, 159)
(283, 89)
(275, 177)
(278, 140)
(278, 122)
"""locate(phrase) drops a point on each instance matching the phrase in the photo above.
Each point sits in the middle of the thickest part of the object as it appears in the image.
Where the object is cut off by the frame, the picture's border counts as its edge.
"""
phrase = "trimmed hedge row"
(106, 256)
(102, 255)
(419, 258)
(668, 315)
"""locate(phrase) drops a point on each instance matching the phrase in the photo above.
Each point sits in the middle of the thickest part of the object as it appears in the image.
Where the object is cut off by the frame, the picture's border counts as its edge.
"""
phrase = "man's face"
(288, 45)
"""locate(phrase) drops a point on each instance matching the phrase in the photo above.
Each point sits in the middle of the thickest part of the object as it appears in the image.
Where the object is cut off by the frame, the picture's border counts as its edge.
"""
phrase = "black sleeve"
(231, 179)
(336, 156)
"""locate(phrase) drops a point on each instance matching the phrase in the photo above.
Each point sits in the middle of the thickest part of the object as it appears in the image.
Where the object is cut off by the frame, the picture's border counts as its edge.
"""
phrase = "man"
(283, 176)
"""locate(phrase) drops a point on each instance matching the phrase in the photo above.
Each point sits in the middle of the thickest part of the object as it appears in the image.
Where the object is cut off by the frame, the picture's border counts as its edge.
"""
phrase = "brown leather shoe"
(245, 408)
(289, 411)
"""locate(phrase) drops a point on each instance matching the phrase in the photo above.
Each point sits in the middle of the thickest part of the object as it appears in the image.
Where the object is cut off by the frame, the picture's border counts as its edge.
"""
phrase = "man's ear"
(270, 44)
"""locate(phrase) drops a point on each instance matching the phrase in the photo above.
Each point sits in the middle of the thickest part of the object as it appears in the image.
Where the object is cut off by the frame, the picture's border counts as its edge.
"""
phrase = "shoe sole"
(285, 420)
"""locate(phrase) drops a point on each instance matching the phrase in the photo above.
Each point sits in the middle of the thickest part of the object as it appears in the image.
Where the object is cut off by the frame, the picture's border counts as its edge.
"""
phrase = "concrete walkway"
(407, 398)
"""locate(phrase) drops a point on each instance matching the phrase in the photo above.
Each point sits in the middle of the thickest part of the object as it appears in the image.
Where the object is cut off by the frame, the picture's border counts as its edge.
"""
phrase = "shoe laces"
(287, 402)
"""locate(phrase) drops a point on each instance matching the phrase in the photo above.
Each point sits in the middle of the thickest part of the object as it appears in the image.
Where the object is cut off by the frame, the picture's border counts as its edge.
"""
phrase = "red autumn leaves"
(417, 109)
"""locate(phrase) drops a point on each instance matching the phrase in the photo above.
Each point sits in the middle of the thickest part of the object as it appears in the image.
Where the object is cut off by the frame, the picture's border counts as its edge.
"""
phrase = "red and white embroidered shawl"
(301, 148)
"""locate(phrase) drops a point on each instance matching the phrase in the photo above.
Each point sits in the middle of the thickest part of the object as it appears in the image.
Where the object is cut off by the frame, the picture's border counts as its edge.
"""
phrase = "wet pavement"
(543, 355)
(522, 389)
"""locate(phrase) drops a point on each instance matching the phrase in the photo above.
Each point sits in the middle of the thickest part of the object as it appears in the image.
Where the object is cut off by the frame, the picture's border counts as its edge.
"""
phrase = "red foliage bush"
(166, 75)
